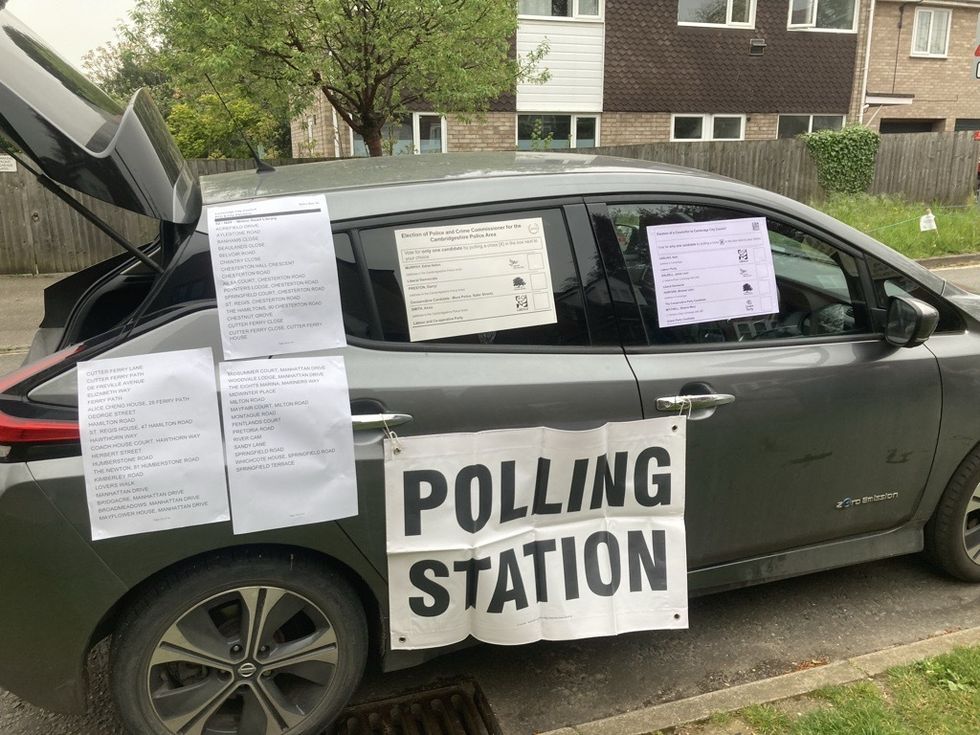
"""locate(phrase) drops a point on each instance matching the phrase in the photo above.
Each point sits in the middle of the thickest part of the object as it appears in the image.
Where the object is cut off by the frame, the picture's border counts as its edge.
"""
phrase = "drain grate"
(461, 709)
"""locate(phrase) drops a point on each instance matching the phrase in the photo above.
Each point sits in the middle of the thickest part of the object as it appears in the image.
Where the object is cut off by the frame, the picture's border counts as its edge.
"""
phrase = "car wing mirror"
(910, 321)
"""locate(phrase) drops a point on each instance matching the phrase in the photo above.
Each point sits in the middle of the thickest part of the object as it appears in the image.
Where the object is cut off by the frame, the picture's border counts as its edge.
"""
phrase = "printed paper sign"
(708, 271)
(527, 534)
(482, 277)
(275, 276)
(289, 442)
(8, 165)
(151, 443)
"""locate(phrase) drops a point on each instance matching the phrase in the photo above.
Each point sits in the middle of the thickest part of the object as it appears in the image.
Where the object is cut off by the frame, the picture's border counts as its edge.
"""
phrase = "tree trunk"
(372, 139)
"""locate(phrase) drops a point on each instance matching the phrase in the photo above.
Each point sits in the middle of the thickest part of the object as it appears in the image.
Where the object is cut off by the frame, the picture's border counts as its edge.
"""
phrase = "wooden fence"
(918, 167)
(39, 234)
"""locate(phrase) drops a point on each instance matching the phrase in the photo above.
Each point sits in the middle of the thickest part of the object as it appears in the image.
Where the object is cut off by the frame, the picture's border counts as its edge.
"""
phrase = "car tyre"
(952, 535)
(243, 644)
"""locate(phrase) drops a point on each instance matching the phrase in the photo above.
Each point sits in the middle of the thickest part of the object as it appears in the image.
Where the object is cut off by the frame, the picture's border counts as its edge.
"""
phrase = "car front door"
(831, 432)
(571, 374)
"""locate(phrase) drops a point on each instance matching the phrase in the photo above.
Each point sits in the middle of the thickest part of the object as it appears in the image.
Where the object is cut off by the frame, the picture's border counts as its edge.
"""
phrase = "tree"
(373, 60)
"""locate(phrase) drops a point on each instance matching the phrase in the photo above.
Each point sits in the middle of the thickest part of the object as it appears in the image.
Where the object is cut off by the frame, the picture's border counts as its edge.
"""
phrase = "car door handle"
(693, 402)
(366, 421)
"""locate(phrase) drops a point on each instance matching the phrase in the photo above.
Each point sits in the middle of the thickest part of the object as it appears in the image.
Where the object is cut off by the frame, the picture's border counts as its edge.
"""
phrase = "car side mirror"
(910, 321)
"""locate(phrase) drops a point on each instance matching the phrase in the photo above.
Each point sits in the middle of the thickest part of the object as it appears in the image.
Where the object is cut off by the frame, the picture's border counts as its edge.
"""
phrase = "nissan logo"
(247, 669)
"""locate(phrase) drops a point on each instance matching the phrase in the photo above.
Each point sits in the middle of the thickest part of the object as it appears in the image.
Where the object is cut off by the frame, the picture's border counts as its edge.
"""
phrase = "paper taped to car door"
(520, 535)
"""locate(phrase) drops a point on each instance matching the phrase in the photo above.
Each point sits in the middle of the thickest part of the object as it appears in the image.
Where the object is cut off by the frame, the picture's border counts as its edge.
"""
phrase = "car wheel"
(246, 644)
(953, 533)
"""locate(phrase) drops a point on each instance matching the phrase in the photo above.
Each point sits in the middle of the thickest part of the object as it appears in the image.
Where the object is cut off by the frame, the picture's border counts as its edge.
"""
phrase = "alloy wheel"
(971, 526)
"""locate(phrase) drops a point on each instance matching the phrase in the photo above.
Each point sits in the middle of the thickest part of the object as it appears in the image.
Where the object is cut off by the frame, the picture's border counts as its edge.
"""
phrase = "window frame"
(707, 127)
(603, 339)
(931, 11)
(606, 238)
(573, 128)
(809, 128)
(813, 27)
(416, 141)
(575, 16)
(729, 23)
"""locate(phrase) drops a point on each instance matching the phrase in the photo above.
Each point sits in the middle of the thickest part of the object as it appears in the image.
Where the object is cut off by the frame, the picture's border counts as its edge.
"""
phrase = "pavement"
(22, 303)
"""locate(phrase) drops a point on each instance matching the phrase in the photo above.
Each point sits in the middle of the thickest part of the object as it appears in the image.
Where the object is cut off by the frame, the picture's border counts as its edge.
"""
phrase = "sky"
(72, 28)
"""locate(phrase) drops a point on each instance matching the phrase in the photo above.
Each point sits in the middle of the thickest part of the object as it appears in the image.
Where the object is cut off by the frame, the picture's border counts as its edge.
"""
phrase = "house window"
(737, 13)
(416, 132)
(707, 127)
(552, 132)
(823, 15)
(559, 8)
(792, 125)
(930, 37)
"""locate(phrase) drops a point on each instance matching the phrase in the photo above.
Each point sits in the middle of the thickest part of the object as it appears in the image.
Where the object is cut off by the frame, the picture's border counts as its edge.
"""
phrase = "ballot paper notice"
(275, 276)
(151, 443)
(707, 271)
(474, 278)
(289, 442)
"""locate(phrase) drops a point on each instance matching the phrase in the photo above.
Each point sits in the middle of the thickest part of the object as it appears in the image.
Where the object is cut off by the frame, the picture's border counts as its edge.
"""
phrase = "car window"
(570, 329)
(818, 286)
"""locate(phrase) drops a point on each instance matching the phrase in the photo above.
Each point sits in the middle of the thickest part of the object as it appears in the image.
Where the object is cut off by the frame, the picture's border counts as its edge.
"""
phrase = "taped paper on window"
(480, 277)
(521, 535)
(275, 277)
(710, 271)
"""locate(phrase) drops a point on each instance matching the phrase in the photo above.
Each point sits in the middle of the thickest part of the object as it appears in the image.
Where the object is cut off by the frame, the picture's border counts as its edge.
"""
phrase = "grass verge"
(938, 696)
(896, 223)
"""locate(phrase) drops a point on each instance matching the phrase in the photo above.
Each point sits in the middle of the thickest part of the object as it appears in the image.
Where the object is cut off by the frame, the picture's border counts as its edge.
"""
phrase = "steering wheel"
(833, 318)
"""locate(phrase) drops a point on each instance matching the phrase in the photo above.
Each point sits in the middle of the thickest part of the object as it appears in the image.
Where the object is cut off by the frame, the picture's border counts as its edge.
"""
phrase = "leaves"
(845, 158)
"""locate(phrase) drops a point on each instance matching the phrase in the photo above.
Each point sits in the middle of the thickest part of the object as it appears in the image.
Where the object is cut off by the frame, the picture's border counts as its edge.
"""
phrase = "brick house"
(628, 71)
(921, 73)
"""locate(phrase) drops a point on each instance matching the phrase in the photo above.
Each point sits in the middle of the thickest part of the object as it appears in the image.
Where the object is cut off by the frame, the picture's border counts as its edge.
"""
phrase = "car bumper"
(55, 592)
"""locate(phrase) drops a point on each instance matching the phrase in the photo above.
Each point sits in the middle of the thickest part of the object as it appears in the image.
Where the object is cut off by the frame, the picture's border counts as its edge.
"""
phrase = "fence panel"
(927, 167)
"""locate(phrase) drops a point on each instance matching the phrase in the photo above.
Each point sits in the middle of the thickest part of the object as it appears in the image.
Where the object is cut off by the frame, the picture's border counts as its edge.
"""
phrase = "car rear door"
(569, 375)
(831, 432)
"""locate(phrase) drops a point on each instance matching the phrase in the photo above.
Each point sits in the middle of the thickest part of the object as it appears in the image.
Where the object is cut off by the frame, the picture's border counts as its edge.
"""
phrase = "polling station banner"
(520, 535)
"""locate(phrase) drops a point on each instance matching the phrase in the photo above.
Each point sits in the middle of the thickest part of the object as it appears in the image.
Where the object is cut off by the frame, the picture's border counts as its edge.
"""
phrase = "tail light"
(16, 430)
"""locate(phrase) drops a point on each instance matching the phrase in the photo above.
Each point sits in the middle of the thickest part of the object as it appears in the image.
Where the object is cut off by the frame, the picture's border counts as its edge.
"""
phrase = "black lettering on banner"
(464, 497)
(507, 495)
(412, 481)
(541, 505)
(505, 592)
(536, 550)
(592, 574)
(604, 484)
(472, 567)
(569, 564)
(654, 565)
(642, 478)
(438, 593)
(577, 491)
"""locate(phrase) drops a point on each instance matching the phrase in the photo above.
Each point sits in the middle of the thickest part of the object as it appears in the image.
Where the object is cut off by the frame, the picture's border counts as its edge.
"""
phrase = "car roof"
(503, 176)
(373, 187)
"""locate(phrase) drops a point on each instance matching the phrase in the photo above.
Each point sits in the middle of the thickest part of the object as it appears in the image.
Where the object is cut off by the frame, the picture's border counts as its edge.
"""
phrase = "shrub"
(845, 158)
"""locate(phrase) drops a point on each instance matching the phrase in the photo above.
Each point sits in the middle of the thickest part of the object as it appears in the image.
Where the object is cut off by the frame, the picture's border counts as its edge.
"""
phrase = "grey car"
(852, 434)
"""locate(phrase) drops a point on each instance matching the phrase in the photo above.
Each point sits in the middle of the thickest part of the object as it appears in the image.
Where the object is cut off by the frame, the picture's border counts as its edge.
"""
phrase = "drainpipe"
(867, 63)
(336, 131)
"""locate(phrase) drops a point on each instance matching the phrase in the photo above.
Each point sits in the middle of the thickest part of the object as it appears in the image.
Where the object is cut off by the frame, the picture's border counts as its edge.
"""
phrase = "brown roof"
(654, 65)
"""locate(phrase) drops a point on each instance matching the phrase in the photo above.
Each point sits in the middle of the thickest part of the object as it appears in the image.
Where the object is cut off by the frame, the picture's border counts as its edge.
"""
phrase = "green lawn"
(940, 696)
(896, 223)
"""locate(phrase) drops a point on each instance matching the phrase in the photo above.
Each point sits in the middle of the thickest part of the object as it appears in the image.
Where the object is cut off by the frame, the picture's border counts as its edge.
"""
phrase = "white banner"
(708, 271)
(289, 442)
(151, 442)
(275, 277)
(520, 535)
(479, 277)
